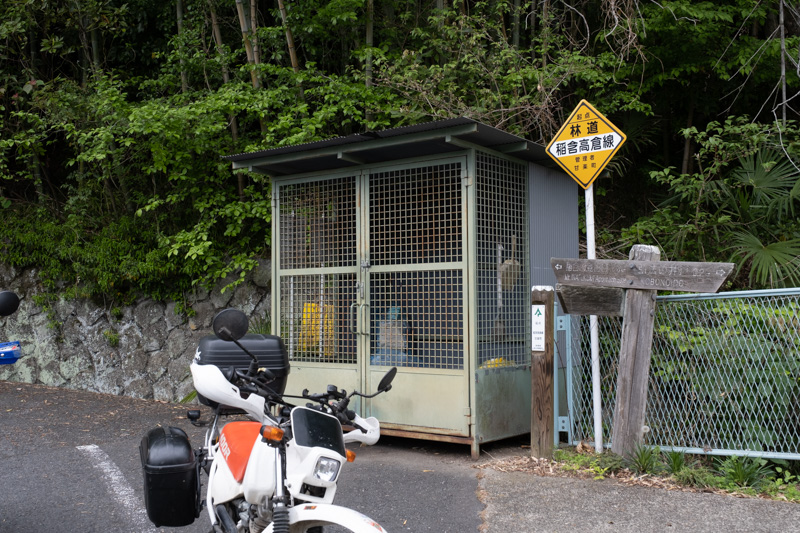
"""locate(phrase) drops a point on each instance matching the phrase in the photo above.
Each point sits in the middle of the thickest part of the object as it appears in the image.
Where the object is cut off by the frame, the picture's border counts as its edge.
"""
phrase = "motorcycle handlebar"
(254, 384)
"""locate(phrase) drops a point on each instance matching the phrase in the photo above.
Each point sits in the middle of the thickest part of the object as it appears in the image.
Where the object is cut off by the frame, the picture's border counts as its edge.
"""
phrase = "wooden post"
(634, 361)
(542, 438)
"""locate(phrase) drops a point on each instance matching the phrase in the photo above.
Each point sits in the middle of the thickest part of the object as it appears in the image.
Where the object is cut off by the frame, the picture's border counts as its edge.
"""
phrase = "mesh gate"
(724, 377)
(416, 267)
(318, 269)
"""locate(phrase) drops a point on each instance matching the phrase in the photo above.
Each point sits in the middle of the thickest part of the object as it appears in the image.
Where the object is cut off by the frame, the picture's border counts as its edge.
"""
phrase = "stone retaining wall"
(142, 351)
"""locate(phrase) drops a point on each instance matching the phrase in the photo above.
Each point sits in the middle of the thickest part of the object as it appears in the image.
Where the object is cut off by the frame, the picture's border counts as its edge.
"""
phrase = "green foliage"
(744, 195)
(464, 65)
(674, 460)
(261, 325)
(644, 459)
(699, 476)
(113, 123)
(744, 472)
(189, 398)
(783, 476)
(599, 465)
(744, 476)
(112, 337)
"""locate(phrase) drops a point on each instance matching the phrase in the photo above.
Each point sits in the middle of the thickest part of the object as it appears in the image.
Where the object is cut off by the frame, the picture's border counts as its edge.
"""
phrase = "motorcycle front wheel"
(315, 527)
(309, 518)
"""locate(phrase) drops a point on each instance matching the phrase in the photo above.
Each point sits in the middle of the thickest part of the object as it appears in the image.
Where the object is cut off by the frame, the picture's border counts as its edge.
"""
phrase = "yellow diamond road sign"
(585, 144)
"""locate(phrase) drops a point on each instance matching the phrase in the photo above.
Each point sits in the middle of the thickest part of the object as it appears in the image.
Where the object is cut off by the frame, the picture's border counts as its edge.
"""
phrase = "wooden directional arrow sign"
(585, 144)
(653, 275)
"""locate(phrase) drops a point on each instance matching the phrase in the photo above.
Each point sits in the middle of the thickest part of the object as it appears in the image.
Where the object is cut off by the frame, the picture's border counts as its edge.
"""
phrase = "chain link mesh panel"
(502, 250)
(724, 376)
(417, 305)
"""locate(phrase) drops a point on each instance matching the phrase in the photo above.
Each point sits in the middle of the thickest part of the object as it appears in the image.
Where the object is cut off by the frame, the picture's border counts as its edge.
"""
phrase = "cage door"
(416, 293)
(317, 280)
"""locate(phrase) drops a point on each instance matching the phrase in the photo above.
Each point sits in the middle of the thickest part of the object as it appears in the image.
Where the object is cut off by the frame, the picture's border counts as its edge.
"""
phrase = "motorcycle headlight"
(326, 469)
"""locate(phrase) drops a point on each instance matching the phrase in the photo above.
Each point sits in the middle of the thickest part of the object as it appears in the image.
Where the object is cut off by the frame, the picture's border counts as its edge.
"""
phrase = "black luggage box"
(171, 482)
(268, 349)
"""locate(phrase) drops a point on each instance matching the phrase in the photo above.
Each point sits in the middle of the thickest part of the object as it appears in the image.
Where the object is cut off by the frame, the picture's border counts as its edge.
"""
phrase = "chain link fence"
(724, 376)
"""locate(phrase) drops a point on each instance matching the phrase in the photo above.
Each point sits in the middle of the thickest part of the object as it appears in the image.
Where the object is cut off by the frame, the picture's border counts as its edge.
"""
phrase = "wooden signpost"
(542, 349)
(588, 286)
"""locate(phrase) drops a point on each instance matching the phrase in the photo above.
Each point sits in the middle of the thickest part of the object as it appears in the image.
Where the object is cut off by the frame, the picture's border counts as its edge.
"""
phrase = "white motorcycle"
(274, 473)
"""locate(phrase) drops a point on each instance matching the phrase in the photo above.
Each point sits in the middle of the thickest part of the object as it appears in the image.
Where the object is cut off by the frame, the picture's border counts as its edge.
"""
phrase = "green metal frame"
(488, 401)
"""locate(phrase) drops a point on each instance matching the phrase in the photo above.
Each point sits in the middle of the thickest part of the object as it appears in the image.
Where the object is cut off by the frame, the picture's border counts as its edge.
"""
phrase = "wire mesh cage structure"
(724, 377)
(412, 248)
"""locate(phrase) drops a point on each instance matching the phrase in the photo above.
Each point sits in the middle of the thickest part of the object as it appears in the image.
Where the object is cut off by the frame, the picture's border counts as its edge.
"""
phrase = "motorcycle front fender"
(310, 515)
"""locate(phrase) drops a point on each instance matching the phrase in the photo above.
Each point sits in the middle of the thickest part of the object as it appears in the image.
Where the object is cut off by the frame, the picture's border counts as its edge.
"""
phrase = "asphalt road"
(69, 461)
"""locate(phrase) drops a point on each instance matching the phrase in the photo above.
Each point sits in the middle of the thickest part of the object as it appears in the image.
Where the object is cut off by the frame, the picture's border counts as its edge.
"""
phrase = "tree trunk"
(115, 176)
(34, 56)
(248, 45)
(179, 17)
(783, 64)
(226, 78)
(289, 37)
(244, 25)
(290, 45)
(370, 42)
(545, 30)
(254, 32)
(218, 39)
(95, 51)
(86, 62)
(687, 145)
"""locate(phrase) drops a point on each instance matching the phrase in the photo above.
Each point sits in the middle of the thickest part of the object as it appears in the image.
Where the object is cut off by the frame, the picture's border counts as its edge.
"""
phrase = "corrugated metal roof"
(419, 140)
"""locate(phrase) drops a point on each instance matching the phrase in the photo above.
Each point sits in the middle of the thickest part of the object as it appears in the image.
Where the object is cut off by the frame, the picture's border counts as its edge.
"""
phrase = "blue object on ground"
(10, 352)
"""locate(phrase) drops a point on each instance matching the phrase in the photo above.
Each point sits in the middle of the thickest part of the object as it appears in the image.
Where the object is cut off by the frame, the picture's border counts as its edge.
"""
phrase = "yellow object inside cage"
(317, 330)
(496, 362)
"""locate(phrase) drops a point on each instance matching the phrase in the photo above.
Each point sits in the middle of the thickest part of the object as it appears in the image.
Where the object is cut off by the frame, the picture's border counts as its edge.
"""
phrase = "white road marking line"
(118, 486)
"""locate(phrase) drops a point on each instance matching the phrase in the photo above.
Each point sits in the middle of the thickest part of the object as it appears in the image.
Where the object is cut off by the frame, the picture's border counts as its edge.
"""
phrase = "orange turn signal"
(272, 433)
(351, 456)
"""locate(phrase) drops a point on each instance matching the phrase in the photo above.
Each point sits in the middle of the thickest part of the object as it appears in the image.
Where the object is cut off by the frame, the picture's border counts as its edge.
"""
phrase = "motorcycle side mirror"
(230, 325)
(386, 382)
(9, 302)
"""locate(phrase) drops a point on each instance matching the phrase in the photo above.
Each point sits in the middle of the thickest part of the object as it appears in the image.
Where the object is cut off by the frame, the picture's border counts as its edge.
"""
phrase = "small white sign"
(537, 328)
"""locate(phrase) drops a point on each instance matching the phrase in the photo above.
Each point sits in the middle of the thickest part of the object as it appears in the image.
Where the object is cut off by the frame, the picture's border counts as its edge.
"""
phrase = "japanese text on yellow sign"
(585, 144)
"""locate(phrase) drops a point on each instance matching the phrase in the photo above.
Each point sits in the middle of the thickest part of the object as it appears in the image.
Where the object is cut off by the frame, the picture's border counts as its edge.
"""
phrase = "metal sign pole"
(583, 147)
(593, 333)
